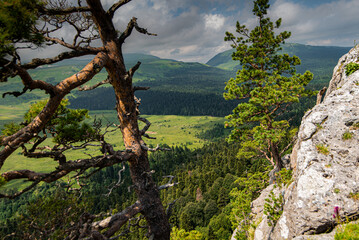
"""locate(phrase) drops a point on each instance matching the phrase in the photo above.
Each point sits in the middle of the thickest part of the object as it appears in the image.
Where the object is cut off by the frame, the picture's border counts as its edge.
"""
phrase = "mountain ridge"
(184, 88)
(224, 60)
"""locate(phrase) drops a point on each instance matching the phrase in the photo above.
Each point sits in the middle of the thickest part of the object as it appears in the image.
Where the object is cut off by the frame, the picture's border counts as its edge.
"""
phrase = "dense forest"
(159, 102)
(205, 178)
(212, 182)
(201, 193)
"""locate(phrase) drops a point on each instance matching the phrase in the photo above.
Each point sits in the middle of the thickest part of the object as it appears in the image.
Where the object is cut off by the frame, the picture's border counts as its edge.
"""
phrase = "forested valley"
(204, 171)
(209, 178)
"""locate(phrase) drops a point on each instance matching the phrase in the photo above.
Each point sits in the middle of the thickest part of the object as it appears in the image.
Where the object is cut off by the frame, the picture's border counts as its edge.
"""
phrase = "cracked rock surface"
(325, 163)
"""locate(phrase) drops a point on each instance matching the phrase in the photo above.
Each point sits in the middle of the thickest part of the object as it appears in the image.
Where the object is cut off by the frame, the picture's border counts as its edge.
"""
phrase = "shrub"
(351, 68)
(273, 208)
(284, 177)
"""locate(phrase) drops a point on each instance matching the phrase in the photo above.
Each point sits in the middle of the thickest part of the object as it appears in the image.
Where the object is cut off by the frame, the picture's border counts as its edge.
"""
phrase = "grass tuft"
(347, 135)
(321, 148)
(354, 196)
(349, 231)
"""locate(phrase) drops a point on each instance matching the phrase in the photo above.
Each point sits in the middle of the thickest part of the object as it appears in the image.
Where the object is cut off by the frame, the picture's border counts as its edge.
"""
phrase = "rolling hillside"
(178, 88)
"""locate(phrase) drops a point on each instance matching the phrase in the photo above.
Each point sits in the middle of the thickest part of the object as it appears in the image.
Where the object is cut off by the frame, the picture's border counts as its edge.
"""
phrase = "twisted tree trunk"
(121, 80)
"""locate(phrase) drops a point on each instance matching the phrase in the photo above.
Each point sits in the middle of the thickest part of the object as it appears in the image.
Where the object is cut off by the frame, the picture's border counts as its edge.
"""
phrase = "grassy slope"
(169, 74)
(12, 113)
(170, 130)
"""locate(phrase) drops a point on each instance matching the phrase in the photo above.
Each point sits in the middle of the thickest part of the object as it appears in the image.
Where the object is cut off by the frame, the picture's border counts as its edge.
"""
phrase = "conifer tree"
(265, 86)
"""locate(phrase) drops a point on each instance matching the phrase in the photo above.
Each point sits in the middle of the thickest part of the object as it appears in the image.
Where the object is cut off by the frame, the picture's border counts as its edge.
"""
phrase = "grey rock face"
(339, 76)
(325, 163)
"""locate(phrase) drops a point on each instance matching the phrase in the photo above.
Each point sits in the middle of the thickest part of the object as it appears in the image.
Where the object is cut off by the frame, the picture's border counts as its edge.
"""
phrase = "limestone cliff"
(325, 164)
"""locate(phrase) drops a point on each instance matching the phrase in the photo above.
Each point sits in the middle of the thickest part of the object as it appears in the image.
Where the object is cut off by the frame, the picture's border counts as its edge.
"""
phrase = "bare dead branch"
(133, 222)
(36, 62)
(88, 88)
(20, 192)
(38, 141)
(146, 127)
(57, 155)
(15, 93)
(64, 169)
(116, 6)
(86, 74)
(81, 185)
(116, 221)
(84, 145)
(131, 25)
(266, 155)
(169, 184)
(158, 148)
(71, 46)
(169, 208)
(137, 88)
(29, 83)
(119, 182)
(132, 71)
(60, 11)
(11, 143)
(148, 136)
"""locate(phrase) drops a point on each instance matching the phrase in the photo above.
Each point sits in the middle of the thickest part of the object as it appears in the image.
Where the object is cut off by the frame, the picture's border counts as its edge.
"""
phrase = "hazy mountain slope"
(319, 55)
(320, 60)
(185, 88)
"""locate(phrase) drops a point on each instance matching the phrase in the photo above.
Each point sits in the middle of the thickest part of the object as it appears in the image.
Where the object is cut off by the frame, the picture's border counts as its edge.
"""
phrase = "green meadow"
(12, 113)
(168, 129)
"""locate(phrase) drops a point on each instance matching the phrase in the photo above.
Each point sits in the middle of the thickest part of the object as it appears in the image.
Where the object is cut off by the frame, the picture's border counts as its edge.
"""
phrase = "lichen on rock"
(321, 181)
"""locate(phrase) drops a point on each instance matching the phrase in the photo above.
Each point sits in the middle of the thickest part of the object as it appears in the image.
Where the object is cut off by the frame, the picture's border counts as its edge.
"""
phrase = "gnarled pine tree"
(29, 23)
(266, 85)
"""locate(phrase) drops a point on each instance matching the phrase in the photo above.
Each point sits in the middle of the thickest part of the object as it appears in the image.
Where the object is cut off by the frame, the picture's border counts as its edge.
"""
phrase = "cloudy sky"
(193, 30)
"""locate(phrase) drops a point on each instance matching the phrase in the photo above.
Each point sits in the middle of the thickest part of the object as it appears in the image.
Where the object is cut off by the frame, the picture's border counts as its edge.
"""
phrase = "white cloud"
(323, 42)
(288, 11)
(169, 53)
(331, 23)
(194, 30)
(214, 21)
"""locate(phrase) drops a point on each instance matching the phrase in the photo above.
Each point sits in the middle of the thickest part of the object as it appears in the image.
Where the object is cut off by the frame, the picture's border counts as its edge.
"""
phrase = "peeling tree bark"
(12, 142)
(110, 57)
(121, 80)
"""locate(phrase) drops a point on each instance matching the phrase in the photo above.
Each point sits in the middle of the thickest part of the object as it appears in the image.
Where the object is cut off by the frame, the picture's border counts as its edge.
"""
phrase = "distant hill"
(183, 88)
(164, 74)
(308, 54)
(177, 88)
(320, 60)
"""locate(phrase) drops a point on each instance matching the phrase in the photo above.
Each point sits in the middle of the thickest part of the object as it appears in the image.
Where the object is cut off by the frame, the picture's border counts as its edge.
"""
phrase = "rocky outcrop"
(339, 76)
(325, 163)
